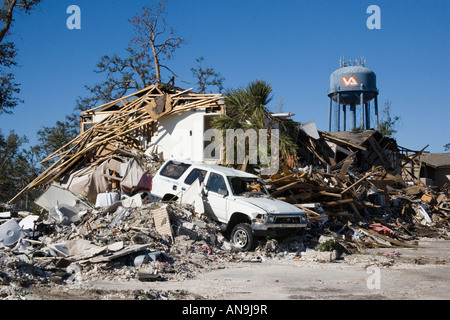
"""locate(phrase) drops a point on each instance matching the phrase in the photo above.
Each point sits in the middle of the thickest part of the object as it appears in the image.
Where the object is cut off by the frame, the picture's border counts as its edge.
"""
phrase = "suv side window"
(194, 175)
(216, 182)
(174, 170)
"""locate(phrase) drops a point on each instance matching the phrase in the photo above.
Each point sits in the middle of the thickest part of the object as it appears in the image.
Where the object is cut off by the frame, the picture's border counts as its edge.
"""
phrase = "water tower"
(352, 85)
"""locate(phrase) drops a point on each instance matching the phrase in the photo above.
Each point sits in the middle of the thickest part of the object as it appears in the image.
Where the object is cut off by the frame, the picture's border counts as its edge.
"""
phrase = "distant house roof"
(362, 138)
(437, 160)
(356, 137)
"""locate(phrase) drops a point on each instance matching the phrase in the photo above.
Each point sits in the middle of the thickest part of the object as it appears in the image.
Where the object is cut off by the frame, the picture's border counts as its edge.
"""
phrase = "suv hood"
(270, 205)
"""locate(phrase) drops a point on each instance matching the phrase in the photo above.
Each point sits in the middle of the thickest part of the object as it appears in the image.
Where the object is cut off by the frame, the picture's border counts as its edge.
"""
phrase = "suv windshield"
(174, 170)
(240, 186)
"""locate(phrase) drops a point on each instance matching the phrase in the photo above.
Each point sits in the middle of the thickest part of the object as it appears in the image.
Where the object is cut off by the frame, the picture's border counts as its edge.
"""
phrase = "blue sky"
(294, 45)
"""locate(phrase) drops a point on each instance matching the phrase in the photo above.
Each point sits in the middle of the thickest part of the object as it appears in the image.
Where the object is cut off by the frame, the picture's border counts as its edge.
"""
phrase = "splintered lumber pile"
(369, 209)
(125, 128)
(335, 191)
(359, 177)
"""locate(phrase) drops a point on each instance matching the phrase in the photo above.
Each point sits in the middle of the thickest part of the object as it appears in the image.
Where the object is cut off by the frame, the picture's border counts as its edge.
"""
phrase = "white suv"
(236, 199)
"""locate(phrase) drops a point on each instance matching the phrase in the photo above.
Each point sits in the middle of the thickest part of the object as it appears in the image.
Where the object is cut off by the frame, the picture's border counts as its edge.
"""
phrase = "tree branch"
(8, 20)
(26, 6)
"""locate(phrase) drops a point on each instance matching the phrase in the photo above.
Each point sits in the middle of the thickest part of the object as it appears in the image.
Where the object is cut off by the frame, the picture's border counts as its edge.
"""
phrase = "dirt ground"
(377, 274)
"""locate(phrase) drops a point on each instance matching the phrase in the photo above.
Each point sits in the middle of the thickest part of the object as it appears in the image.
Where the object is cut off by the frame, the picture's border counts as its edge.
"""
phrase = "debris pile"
(139, 239)
(368, 209)
(128, 240)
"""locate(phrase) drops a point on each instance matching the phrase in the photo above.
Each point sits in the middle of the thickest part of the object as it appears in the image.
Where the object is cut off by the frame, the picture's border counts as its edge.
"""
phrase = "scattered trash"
(392, 253)
(10, 233)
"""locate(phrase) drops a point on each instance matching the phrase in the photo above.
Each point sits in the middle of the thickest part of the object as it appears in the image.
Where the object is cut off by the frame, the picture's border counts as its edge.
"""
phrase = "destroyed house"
(177, 119)
(373, 148)
(363, 149)
(428, 169)
(435, 169)
(160, 121)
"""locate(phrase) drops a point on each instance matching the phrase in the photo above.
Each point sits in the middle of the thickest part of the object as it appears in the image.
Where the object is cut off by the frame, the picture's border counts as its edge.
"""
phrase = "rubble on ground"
(114, 243)
(364, 210)
(140, 239)
(97, 221)
(130, 236)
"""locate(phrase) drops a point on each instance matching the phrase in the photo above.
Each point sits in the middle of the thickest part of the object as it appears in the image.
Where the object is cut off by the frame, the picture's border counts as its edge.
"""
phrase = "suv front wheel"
(242, 237)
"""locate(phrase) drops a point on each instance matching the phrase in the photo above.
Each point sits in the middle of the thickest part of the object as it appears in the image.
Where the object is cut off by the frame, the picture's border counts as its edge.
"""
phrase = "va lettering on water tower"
(351, 81)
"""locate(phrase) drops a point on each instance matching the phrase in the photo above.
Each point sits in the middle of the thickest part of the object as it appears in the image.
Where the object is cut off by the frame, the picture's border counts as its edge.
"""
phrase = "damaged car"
(237, 200)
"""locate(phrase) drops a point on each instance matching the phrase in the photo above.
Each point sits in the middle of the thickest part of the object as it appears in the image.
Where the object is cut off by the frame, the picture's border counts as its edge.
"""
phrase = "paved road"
(422, 273)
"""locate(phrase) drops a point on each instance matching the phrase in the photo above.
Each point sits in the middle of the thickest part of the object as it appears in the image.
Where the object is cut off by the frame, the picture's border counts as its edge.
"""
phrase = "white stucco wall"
(180, 136)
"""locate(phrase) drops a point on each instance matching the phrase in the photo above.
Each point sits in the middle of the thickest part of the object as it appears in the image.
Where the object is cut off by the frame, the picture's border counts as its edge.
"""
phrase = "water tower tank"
(353, 85)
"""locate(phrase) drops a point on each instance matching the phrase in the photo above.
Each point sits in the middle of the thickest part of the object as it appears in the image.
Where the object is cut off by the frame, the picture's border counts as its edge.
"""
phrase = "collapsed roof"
(122, 127)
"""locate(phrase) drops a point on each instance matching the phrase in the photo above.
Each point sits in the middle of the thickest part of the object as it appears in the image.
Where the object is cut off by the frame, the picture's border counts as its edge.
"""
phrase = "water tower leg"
(352, 117)
(376, 114)
(361, 103)
(367, 110)
(330, 108)
(344, 107)
(338, 112)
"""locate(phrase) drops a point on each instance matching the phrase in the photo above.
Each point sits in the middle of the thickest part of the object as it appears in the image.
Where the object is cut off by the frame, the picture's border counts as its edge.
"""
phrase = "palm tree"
(246, 108)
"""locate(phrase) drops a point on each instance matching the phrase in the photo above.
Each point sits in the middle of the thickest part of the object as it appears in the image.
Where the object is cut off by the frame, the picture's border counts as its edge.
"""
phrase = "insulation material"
(78, 182)
(132, 176)
(91, 181)
(99, 183)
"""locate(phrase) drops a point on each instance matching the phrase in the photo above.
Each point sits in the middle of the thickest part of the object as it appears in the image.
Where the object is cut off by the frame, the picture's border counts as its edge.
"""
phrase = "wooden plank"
(282, 179)
(391, 240)
(358, 181)
(376, 147)
(330, 194)
(343, 172)
(307, 185)
(180, 93)
(337, 202)
(307, 210)
(114, 102)
(286, 187)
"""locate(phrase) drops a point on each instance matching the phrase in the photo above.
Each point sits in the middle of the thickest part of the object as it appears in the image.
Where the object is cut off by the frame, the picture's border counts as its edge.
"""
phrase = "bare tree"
(388, 125)
(154, 39)
(121, 75)
(206, 76)
(7, 13)
(140, 67)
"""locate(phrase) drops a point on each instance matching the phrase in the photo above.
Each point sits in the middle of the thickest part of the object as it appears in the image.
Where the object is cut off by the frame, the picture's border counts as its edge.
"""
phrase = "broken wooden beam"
(337, 202)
